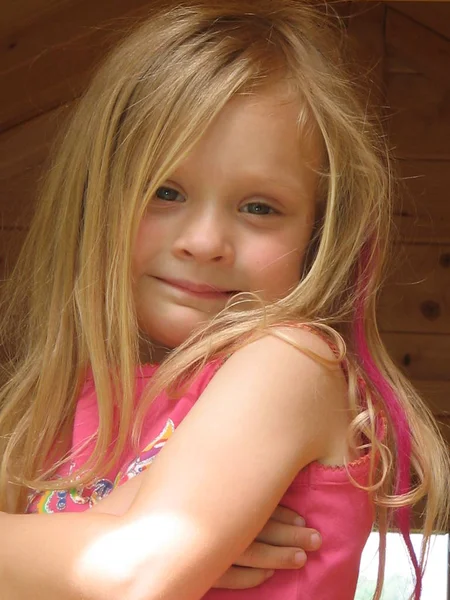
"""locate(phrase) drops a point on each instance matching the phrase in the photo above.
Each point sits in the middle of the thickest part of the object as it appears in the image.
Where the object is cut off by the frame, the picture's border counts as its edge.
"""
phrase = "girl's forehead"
(262, 130)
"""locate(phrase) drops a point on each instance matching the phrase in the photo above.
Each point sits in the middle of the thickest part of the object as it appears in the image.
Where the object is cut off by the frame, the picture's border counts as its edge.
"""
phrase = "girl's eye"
(168, 194)
(259, 208)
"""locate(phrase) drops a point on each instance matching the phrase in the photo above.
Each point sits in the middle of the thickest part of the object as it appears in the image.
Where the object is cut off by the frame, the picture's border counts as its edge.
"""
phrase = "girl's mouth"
(200, 290)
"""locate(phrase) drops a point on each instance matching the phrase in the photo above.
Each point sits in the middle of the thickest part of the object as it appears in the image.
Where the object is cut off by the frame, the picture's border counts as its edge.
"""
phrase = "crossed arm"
(207, 496)
(281, 544)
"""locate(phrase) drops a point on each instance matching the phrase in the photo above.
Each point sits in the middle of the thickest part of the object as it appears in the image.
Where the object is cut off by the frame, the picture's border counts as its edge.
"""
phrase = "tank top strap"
(317, 331)
(345, 364)
(321, 334)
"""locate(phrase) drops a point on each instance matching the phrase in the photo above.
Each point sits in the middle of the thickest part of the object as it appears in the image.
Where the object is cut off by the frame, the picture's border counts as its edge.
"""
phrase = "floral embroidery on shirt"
(72, 500)
(147, 455)
(53, 501)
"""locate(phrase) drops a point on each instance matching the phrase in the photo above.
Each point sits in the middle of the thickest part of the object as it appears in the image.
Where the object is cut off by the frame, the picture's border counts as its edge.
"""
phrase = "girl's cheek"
(149, 241)
(274, 264)
(273, 254)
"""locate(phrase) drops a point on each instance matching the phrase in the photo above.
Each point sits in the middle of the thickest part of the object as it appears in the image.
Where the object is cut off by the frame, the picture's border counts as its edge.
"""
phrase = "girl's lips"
(200, 290)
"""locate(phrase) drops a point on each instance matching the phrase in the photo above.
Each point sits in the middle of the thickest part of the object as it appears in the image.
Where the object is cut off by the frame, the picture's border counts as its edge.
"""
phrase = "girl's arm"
(281, 544)
(208, 494)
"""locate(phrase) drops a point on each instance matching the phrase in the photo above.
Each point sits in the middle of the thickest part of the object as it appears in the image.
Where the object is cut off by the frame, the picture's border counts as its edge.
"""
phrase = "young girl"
(197, 292)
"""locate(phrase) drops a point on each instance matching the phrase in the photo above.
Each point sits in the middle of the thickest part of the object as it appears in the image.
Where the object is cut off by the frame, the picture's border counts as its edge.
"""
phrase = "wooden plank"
(416, 297)
(435, 16)
(66, 22)
(420, 356)
(17, 197)
(28, 144)
(422, 211)
(49, 62)
(366, 28)
(426, 51)
(395, 63)
(436, 394)
(53, 80)
(420, 122)
(10, 245)
(342, 7)
(23, 154)
(19, 13)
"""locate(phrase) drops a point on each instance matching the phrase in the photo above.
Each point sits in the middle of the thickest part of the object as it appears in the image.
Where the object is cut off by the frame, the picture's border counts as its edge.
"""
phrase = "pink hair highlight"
(396, 412)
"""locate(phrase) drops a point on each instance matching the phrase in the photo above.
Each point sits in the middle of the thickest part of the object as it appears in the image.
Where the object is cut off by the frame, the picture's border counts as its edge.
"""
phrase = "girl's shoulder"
(320, 348)
(295, 371)
(322, 341)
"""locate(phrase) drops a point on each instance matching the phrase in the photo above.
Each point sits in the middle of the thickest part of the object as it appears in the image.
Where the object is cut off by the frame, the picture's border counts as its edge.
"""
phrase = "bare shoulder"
(295, 372)
(306, 340)
(293, 352)
(310, 357)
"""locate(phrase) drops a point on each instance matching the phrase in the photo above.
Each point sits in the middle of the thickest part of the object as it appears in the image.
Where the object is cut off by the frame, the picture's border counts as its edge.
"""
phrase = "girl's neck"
(152, 353)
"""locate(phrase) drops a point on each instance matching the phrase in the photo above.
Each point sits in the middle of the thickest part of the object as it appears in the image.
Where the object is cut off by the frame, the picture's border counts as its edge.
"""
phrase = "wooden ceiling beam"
(435, 17)
(404, 36)
(48, 61)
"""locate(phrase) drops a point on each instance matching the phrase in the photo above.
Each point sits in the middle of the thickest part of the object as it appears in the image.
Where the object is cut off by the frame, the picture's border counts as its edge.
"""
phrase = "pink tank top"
(323, 495)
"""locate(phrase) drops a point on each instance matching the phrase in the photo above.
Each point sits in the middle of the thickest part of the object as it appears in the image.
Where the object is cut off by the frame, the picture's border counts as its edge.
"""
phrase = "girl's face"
(235, 216)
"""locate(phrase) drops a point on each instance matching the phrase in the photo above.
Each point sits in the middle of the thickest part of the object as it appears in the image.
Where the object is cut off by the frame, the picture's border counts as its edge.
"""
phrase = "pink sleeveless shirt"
(323, 495)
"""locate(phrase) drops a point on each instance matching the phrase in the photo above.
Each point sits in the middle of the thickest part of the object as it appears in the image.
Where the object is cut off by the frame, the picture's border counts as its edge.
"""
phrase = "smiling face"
(236, 215)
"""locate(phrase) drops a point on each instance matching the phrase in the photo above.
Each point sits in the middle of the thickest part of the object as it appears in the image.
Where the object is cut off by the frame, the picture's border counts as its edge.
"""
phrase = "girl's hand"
(276, 546)
(280, 545)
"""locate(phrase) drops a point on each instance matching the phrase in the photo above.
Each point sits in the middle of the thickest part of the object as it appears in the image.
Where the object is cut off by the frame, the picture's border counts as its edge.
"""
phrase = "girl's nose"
(205, 240)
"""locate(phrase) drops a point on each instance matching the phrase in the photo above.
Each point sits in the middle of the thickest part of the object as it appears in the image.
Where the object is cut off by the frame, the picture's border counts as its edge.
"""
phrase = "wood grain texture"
(28, 144)
(405, 36)
(419, 126)
(416, 297)
(434, 15)
(17, 197)
(418, 88)
(23, 12)
(422, 208)
(436, 394)
(396, 63)
(10, 244)
(61, 25)
(421, 356)
(366, 29)
(24, 151)
(48, 62)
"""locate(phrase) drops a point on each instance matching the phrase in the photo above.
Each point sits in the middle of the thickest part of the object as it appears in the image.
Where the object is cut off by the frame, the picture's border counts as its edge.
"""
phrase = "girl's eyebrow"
(282, 180)
(295, 186)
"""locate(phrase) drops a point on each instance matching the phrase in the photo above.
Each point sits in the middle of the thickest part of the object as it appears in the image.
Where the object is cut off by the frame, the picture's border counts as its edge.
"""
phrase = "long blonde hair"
(68, 305)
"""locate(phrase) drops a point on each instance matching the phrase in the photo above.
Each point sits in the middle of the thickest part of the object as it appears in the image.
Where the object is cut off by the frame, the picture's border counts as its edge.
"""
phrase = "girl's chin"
(168, 332)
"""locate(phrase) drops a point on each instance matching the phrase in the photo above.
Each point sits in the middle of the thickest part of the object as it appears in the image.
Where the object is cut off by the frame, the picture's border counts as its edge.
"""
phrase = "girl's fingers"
(287, 516)
(280, 534)
(264, 556)
(237, 578)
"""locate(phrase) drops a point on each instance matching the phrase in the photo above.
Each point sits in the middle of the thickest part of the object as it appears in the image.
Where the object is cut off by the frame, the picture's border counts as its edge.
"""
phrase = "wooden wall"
(415, 307)
(48, 49)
